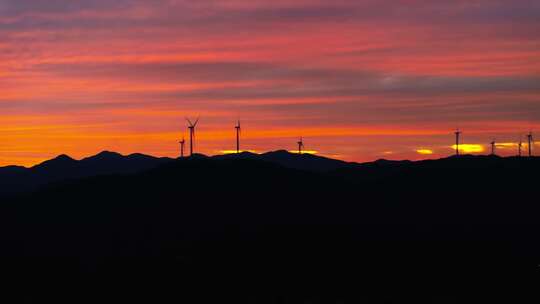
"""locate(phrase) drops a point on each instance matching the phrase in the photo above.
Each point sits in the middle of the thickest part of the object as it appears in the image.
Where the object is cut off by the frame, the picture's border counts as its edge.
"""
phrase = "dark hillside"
(202, 229)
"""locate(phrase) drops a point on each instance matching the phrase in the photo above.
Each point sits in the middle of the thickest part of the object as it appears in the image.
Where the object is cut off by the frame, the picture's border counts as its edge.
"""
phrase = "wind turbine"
(530, 142)
(458, 133)
(238, 130)
(520, 145)
(182, 143)
(493, 145)
(191, 127)
(300, 145)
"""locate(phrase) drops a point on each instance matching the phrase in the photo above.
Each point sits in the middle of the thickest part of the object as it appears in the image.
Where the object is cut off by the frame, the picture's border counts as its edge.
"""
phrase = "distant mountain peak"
(277, 152)
(108, 154)
(59, 161)
(304, 161)
(245, 153)
(63, 157)
(198, 156)
(140, 156)
(105, 155)
(12, 169)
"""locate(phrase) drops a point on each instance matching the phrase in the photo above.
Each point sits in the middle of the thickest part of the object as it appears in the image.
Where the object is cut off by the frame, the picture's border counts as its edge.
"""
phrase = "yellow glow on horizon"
(305, 151)
(424, 151)
(507, 145)
(470, 148)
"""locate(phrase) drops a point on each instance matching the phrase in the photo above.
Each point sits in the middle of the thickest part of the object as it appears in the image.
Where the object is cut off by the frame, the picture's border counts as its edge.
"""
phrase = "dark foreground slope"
(447, 231)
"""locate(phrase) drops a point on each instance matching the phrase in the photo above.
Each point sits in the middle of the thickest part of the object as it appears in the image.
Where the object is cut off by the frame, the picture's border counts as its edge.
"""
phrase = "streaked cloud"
(507, 145)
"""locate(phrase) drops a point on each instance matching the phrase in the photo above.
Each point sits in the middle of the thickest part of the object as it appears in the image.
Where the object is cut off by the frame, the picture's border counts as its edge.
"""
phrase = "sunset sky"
(358, 80)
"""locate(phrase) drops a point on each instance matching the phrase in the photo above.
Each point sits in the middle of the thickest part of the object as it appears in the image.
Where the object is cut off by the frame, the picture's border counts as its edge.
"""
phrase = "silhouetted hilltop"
(104, 156)
(63, 167)
(12, 169)
(309, 162)
(463, 167)
(198, 156)
(241, 155)
(304, 161)
(61, 162)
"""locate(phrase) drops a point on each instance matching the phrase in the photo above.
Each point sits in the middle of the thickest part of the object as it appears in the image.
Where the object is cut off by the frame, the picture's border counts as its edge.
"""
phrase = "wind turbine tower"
(530, 143)
(300, 145)
(182, 143)
(520, 145)
(238, 130)
(191, 127)
(458, 133)
(493, 146)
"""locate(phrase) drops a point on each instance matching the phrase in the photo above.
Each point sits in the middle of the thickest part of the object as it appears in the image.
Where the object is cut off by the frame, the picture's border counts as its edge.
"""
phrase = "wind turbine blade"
(196, 122)
(189, 121)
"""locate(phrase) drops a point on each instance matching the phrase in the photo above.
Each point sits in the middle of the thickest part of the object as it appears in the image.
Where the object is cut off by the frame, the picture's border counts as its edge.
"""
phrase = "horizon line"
(266, 152)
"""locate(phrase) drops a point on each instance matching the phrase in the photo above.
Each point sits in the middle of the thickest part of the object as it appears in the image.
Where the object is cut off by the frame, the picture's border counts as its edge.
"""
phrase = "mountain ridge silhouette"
(15, 179)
